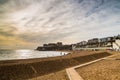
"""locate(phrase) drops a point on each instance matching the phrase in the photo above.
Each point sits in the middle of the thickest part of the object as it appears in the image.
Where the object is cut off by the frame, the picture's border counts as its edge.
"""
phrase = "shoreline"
(34, 60)
(30, 60)
(28, 69)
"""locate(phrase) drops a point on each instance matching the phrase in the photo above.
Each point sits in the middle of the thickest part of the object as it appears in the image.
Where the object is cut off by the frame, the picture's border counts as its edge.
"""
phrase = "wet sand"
(42, 69)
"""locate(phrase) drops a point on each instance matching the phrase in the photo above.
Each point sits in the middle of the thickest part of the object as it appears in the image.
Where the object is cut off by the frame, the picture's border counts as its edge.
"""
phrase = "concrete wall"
(118, 42)
(26, 71)
(116, 45)
(97, 48)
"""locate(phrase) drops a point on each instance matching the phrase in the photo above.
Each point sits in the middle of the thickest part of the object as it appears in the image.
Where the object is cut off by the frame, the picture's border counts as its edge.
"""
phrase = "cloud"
(13, 43)
(70, 21)
(7, 30)
(3, 2)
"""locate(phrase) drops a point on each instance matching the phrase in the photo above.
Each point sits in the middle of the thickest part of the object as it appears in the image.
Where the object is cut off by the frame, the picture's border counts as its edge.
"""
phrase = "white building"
(116, 45)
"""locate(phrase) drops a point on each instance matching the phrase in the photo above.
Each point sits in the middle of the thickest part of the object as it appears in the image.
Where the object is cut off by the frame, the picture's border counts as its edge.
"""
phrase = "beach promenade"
(74, 75)
(47, 68)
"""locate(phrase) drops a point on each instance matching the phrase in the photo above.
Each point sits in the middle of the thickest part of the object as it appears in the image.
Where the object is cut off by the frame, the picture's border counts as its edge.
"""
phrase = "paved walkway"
(72, 73)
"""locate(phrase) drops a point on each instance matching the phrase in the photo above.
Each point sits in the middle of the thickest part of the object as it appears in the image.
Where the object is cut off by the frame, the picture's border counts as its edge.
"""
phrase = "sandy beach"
(108, 69)
(46, 68)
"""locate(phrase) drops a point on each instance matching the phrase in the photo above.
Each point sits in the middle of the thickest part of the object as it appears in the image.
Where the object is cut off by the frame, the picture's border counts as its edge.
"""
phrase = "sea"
(28, 54)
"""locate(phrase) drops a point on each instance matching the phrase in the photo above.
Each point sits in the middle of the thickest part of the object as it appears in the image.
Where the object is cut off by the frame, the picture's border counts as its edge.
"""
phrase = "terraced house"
(112, 43)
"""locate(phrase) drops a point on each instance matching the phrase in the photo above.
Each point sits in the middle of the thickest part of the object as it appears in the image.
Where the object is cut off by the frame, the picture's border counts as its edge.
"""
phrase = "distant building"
(96, 43)
(117, 37)
(93, 42)
(106, 42)
(59, 43)
(52, 44)
(45, 45)
(54, 47)
(82, 44)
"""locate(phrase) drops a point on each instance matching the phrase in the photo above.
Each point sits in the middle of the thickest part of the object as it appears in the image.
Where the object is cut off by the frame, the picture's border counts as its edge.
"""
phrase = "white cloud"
(64, 20)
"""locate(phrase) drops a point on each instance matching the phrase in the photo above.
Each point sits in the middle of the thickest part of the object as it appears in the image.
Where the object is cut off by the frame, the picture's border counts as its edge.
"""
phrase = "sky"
(27, 24)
